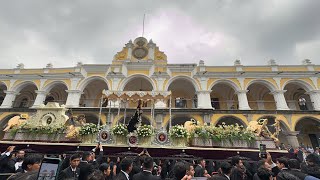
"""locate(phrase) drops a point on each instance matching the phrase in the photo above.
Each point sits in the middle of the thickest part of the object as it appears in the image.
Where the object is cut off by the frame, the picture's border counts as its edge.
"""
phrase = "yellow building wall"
(61, 70)
(95, 74)
(31, 71)
(256, 69)
(221, 69)
(270, 80)
(284, 81)
(6, 82)
(132, 72)
(67, 81)
(212, 81)
(6, 71)
(181, 73)
(293, 68)
(18, 82)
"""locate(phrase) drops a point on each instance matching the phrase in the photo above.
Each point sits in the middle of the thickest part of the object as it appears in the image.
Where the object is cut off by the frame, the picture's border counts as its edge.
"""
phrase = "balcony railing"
(179, 103)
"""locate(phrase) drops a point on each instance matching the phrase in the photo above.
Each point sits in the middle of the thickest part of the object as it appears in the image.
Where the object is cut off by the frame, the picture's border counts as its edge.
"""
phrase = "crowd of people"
(94, 165)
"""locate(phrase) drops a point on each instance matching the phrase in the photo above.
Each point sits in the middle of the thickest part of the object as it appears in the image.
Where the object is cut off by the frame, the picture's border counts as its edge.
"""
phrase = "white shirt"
(127, 175)
(18, 164)
(226, 176)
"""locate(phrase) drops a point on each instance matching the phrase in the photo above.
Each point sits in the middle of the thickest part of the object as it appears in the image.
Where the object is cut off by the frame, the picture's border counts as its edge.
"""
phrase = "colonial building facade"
(209, 94)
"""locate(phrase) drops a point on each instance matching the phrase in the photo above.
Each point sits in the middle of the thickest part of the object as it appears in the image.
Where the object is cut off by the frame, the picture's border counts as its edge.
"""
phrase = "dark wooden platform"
(154, 151)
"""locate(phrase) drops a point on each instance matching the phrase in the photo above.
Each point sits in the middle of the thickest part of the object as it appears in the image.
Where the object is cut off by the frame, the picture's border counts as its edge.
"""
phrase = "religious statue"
(75, 124)
(16, 121)
(135, 120)
(261, 130)
(190, 125)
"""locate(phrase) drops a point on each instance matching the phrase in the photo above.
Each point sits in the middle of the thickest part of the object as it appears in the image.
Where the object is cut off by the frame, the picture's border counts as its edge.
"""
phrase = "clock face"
(140, 52)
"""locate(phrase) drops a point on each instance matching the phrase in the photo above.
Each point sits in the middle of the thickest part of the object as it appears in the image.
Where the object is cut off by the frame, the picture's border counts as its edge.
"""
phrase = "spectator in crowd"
(126, 167)
(317, 152)
(7, 163)
(86, 166)
(147, 171)
(106, 171)
(190, 170)
(264, 174)
(179, 171)
(73, 170)
(238, 171)
(294, 169)
(311, 166)
(224, 172)
(30, 166)
(96, 175)
(19, 160)
(200, 168)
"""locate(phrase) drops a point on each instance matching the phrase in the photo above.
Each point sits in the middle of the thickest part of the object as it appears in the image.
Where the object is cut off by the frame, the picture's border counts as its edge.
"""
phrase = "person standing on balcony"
(302, 103)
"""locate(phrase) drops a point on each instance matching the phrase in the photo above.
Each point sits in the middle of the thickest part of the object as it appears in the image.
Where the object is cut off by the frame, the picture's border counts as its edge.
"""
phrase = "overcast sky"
(36, 32)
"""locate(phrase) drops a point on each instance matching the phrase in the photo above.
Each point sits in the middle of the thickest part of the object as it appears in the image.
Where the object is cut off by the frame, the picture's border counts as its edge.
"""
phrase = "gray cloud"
(37, 32)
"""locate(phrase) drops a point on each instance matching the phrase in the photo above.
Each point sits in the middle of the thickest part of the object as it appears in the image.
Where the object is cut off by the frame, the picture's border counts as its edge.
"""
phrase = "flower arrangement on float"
(120, 133)
(145, 131)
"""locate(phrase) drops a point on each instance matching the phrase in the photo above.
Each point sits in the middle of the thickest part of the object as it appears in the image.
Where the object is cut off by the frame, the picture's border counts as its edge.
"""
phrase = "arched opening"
(309, 131)
(282, 135)
(178, 120)
(223, 97)
(183, 94)
(144, 120)
(3, 88)
(259, 97)
(26, 96)
(138, 84)
(92, 118)
(229, 120)
(296, 97)
(92, 93)
(57, 94)
(4, 123)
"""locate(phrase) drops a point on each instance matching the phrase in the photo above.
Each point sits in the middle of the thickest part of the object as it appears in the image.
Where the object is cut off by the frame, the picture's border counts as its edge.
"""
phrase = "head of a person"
(190, 170)
(202, 162)
(179, 170)
(293, 164)
(96, 175)
(105, 169)
(87, 156)
(20, 154)
(313, 160)
(264, 174)
(236, 161)
(263, 163)
(126, 165)
(148, 163)
(282, 163)
(32, 162)
(225, 168)
(75, 160)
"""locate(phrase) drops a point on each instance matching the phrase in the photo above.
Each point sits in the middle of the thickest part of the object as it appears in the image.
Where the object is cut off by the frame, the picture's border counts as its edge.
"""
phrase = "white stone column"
(8, 100)
(243, 100)
(292, 138)
(280, 99)
(41, 97)
(73, 98)
(204, 99)
(315, 99)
